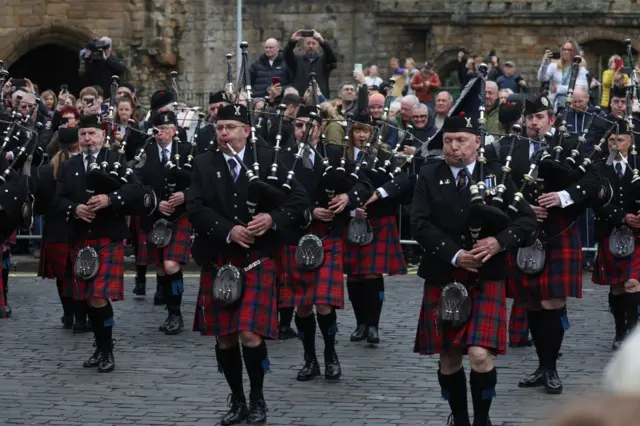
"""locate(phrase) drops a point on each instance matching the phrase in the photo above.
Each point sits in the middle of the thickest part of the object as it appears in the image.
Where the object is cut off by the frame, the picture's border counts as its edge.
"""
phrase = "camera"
(97, 47)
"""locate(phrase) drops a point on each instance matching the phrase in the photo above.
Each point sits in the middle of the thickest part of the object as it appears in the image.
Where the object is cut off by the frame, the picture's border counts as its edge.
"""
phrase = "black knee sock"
(141, 273)
(67, 302)
(81, 310)
(160, 284)
(555, 323)
(329, 327)
(483, 390)
(631, 307)
(617, 306)
(375, 297)
(355, 297)
(537, 333)
(454, 390)
(256, 361)
(5, 281)
(286, 315)
(96, 325)
(102, 320)
(307, 333)
(230, 363)
(174, 287)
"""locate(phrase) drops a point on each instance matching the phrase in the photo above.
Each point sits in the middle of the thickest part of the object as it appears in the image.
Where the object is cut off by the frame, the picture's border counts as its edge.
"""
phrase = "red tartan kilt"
(178, 250)
(324, 286)
(54, 258)
(609, 270)
(562, 274)
(139, 240)
(257, 312)
(109, 282)
(13, 240)
(487, 326)
(382, 256)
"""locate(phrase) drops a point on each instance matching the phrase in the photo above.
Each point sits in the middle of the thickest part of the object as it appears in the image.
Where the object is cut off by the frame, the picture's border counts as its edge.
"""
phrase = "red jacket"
(425, 94)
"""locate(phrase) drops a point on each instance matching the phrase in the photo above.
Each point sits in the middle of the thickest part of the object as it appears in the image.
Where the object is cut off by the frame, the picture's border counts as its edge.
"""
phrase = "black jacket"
(302, 65)
(71, 190)
(99, 72)
(612, 215)
(56, 228)
(215, 204)
(439, 223)
(262, 72)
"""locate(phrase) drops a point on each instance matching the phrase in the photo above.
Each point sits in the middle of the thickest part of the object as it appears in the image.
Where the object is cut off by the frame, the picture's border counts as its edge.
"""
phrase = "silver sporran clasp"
(228, 285)
(309, 253)
(531, 259)
(454, 306)
(622, 243)
(87, 264)
(161, 233)
(359, 231)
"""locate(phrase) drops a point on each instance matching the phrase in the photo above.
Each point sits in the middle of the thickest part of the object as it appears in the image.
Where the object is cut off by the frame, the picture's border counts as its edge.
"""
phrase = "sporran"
(228, 284)
(87, 263)
(309, 253)
(622, 242)
(454, 306)
(161, 233)
(531, 259)
(359, 232)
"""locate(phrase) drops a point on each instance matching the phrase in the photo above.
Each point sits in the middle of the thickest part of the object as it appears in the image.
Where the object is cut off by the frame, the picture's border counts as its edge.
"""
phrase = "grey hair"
(449, 95)
(492, 83)
(411, 98)
(395, 105)
(420, 106)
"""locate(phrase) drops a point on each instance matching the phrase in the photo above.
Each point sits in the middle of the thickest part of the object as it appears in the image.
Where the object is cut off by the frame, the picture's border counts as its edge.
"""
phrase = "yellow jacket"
(607, 82)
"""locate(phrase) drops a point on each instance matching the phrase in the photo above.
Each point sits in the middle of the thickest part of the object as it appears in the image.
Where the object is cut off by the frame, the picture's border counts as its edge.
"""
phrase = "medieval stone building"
(42, 38)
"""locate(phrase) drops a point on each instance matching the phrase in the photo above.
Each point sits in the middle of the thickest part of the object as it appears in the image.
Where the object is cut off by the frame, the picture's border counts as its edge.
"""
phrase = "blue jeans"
(586, 225)
(36, 243)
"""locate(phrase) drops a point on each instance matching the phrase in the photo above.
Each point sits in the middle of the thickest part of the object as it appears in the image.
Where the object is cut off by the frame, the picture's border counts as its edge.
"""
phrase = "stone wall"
(193, 36)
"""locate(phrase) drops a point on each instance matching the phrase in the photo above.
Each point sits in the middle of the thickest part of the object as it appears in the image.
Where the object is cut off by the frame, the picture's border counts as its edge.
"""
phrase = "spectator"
(503, 95)
(372, 77)
(412, 70)
(467, 69)
(402, 120)
(426, 83)
(49, 99)
(394, 109)
(613, 75)
(69, 117)
(128, 89)
(98, 63)
(89, 101)
(269, 65)
(333, 127)
(314, 59)
(400, 75)
(510, 79)
(444, 102)
(491, 97)
(558, 74)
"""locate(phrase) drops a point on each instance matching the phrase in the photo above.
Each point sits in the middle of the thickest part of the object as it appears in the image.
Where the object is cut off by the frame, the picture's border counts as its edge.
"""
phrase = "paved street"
(167, 380)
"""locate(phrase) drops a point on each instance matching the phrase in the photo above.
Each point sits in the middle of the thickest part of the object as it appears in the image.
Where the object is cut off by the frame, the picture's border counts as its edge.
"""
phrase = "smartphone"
(105, 109)
(90, 102)
(555, 55)
(18, 82)
(306, 33)
(64, 88)
(275, 81)
(357, 68)
(618, 64)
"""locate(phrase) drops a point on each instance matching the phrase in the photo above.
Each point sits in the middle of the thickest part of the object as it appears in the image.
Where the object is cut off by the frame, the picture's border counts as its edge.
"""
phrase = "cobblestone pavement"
(174, 380)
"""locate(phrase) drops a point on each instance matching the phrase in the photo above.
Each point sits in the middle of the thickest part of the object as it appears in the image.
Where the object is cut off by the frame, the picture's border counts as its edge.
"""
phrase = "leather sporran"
(531, 259)
(228, 285)
(309, 253)
(622, 243)
(161, 233)
(454, 306)
(359, 232)
(87, 264)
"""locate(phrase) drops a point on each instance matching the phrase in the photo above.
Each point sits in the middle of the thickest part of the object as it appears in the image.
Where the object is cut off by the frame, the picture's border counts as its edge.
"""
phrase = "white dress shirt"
(455, 170)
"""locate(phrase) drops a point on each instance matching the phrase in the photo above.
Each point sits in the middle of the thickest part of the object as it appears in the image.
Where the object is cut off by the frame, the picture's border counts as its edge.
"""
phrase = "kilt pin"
(257, 311)
(178, 250)
(562, 273)
(382, 256)
(610, 270)
(138, 240)
(324, 286)
(109, 282)
(487, 325)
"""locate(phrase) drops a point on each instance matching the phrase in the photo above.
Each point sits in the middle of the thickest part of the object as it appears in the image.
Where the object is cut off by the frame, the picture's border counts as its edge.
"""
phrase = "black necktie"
(232, 168)
(306, 159)
(359, 157)
(461, 179)
(89, 161)
(619, 170)
(165, 157)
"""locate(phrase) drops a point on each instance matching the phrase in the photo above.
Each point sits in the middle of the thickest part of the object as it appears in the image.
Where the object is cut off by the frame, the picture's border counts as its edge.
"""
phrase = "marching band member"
(229, 238)
(97, 229)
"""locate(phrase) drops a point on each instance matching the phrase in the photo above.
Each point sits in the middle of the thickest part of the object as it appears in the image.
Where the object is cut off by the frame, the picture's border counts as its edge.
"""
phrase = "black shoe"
(361, 332)
(163, 326)
(332, 369)
(533, 380)
(372, 335)
(67, 321)
(552, 382)
(617, 341)
(107, 362)
(238, 411)
(257, 410)
(175, 325)
(310, 370)
(95, 359)
(80, 326)
(523, 344)
(286, 332)
(140, 288)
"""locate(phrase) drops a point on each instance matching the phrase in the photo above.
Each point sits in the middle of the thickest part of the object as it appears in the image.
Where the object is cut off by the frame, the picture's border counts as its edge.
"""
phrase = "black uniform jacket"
(206, 137)
(154, 174)
(71, 191)
(399, 189)
(583, 189)
(612, 215)
(56, 227)
(317, 196)
(215, 204)
(439, 214)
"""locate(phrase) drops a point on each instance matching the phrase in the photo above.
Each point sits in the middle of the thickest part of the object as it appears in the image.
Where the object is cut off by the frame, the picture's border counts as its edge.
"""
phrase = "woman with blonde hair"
(611, 76)
(49, 99)
(333, 125)
(558, 73)
(410, 66)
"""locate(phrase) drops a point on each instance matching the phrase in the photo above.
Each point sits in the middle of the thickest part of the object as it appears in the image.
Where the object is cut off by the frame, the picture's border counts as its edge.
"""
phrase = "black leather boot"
(310, 369)
(360, 333)
(372, 335)
(238, 411)
(332, 369)
(94, 360)
(257, 410)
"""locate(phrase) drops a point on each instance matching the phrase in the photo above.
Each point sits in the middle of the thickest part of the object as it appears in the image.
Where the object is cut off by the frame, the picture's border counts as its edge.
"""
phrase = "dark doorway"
(49, 66)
